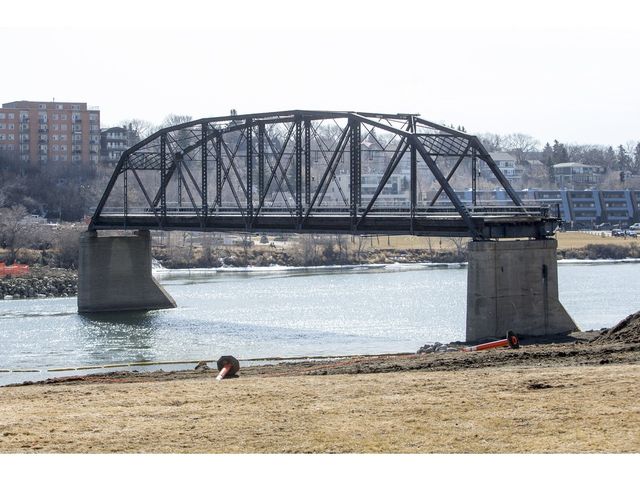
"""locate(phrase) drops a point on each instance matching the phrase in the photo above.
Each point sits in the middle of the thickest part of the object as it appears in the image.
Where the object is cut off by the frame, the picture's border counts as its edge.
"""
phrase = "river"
(285, 312)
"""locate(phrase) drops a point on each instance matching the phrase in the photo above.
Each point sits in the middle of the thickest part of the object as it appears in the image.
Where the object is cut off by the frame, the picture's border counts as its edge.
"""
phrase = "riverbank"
(40, 282)
(574, 394)
(53, 282)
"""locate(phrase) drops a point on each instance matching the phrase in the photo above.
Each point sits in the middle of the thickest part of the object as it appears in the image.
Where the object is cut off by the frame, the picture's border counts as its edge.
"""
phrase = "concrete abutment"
(114, 274)
(513, 285)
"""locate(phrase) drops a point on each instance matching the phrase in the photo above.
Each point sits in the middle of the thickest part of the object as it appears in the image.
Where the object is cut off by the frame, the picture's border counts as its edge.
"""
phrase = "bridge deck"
(497, 226)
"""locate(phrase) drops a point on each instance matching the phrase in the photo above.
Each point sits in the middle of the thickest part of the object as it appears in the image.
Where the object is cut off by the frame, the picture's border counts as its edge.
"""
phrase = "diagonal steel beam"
(453, 170)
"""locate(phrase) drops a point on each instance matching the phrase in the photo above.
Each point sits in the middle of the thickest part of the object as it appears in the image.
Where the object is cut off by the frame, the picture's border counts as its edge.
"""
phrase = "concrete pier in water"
(513, 285)
(114, 274)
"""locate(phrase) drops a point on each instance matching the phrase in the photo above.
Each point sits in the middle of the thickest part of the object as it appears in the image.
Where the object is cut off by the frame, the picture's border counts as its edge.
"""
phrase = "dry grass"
(566, 240)
(569, 240)
(560, 409)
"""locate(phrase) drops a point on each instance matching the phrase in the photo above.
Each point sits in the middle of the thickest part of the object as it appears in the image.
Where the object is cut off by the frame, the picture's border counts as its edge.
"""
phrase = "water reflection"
(119, 336)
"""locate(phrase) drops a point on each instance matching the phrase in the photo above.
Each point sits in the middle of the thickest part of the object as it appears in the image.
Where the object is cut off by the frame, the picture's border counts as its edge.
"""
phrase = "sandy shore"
(570, 397)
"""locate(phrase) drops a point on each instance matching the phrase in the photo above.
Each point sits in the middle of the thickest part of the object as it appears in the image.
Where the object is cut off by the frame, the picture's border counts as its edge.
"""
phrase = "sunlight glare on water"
(287, 313)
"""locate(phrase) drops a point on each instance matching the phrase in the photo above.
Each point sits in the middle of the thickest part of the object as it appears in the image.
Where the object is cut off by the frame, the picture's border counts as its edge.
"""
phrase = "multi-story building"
(114, 141)
(507, 163)
(576, 175)
(41, 132)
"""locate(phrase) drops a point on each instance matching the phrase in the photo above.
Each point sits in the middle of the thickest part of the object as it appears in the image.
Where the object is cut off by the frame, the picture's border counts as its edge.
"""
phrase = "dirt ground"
(554, 395)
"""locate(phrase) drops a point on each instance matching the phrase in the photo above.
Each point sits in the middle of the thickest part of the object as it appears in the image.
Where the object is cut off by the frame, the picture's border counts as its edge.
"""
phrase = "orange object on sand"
(510, 341)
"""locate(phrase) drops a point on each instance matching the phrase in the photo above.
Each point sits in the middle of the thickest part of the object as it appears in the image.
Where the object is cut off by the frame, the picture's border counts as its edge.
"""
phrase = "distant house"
(573, 174)
(507, 163)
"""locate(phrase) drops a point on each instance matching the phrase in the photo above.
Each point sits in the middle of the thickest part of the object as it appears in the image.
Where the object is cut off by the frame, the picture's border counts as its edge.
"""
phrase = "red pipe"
(510, 341)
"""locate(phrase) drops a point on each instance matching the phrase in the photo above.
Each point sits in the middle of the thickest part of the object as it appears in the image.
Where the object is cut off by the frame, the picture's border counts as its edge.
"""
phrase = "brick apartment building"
(41, 132)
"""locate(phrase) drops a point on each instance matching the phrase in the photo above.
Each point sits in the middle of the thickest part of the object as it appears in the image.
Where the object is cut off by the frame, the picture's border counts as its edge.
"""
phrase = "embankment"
(40, 282)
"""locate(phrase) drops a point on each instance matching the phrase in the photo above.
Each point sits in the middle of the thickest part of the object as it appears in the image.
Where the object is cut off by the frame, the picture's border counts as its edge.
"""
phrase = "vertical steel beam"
(414, 185)
(218, 145)
(413, 176)
(178, 161)
(298, 172)
(126, 194)
(261, 191)
(249, 171)
(163, 175)
(474, 174)
(307, 162)
(355, 170)
(203, 161)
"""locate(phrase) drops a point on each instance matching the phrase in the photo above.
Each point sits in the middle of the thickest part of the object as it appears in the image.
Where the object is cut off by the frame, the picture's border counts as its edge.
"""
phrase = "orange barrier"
(14, 270)
(510, 341)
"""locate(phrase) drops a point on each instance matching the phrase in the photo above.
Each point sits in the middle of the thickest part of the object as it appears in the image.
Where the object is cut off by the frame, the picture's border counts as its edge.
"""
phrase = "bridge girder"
(311, 171)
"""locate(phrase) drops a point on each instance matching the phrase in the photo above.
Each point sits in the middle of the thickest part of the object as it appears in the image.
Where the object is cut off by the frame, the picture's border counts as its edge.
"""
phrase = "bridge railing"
(543, 211)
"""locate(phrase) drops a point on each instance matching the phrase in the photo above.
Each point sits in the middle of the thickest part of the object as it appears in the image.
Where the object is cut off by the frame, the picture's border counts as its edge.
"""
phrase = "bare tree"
(520, 145)
(66, 241)
(141, 128)
(491, 141)
(460, 244)
(15, 230)
(175, 119)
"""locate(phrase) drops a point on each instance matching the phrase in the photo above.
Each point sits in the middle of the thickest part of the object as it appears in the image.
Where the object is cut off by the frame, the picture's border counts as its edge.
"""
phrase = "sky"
(551, 69)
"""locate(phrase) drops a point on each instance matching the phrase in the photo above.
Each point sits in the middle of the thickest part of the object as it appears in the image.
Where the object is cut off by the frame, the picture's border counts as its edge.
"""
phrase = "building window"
(12, 126)
(60, 107)
(12, 136)
(1, 116)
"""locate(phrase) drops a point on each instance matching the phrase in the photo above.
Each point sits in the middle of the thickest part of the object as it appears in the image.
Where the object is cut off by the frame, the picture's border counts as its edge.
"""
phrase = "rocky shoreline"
(40, 283)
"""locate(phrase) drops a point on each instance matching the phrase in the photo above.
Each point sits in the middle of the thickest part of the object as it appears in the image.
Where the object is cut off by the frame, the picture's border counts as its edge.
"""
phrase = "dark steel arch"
(303, 171)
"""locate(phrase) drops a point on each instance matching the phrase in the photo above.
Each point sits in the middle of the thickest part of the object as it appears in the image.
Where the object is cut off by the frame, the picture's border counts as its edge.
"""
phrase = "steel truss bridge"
(313, 171)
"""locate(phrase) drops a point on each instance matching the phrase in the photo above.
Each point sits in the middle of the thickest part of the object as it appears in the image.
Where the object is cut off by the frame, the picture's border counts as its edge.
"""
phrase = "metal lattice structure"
(312, 171)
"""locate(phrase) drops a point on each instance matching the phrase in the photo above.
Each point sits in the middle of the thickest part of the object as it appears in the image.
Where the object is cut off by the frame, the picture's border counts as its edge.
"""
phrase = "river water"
(285, 312)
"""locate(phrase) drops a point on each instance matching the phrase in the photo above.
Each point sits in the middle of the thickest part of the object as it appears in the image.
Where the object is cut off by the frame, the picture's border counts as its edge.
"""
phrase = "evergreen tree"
(547, 155)
(547, 159)
(560, 154)
(623, 159)
(636, 159)
(610, 157)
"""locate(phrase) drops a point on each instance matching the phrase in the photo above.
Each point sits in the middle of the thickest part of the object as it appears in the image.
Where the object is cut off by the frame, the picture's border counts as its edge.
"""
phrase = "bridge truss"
(313, 171)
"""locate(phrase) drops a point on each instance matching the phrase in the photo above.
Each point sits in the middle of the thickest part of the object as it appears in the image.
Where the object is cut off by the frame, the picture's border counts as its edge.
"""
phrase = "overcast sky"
(555, 70)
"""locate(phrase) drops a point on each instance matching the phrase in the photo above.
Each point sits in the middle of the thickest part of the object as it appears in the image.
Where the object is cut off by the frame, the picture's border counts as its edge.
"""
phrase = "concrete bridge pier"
(114, 274)
(513, 285)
